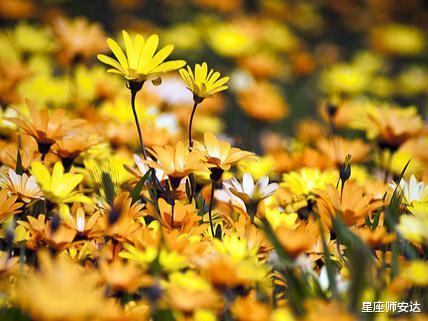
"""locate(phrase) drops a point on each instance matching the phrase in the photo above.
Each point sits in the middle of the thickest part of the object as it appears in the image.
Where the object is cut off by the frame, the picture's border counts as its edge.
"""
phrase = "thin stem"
(174, 189)
(137, 123)
(172, 212)
(191, 123)
(211, 207)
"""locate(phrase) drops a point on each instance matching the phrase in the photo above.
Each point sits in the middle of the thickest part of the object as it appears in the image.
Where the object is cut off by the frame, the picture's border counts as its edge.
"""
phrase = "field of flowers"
(248, 160)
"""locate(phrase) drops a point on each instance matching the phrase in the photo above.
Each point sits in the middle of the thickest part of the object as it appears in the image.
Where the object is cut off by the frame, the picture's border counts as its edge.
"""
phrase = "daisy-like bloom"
(177, 161)
(203, 83)
(8, 205)
(184, 214)
(413, 191)
(414, 227)
(57, 283)
(78, 39)
(336, 149)
(249, 191)
(45, 128)
(143, 168)
(141, 61)
(187, 291)
(220, 155)
(23, 186)
(58, 188)
(351, 204)
(390, 125)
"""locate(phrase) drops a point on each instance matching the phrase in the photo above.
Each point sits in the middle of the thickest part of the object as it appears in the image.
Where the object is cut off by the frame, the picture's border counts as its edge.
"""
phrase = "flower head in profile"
(140, 61)
(203, 83)
(219, 153)
(250, 191)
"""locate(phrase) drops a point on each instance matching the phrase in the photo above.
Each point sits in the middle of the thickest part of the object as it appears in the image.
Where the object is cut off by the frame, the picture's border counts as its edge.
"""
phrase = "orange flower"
(220, 154)
(294, 242)
(264, 102)
(376, 237)
(46, 129)
(121, 276)
(177, 161)
(78, 39)
(8, 206)
(42, 232)
(249, 309)
(184, 214)
(352, 206)
(336, 149)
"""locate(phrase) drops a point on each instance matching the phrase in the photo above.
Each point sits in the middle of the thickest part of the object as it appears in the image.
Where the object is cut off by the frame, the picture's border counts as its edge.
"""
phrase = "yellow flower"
(202, 83)
(276, 218)
(398, 39)
(141, 61)
(230, 40)
(58, 187)
(415, 227)
(57, 283)
(417, 273)
(307, 180)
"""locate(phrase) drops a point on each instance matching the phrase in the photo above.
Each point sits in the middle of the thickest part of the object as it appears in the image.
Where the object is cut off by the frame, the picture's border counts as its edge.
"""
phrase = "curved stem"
(211, 207)
(137, 123)
(191, 124)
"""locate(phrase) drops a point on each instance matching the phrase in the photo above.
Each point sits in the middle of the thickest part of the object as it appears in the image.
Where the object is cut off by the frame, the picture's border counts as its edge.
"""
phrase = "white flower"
(341, 284)
(413, 191)
(225, 196)
(143, 168)
(248, 191)
(24, 186)
(173, 91)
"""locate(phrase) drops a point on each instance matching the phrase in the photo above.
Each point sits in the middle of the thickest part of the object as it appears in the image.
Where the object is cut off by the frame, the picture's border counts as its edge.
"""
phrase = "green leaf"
(163, 315)
(19, 168)
(108, 186)
(13, 314)
(135, 193)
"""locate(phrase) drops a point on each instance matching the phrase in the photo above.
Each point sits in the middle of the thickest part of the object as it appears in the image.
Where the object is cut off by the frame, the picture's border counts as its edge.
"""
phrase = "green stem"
(137, 123)
(191, 123)
(211, 207)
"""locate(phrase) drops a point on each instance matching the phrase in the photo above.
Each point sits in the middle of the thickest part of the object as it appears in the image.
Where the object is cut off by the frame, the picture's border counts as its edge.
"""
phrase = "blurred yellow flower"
(398, 39)
(229, 40)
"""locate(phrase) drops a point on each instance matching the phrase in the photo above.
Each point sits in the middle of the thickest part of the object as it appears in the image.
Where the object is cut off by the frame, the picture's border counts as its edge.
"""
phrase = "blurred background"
(287, 59)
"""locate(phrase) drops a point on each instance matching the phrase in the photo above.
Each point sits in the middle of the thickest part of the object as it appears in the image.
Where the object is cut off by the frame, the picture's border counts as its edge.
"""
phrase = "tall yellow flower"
(141, 61)
(202, 83)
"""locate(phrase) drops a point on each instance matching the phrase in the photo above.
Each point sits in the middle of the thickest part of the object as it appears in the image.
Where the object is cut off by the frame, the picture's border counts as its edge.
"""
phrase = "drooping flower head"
(140, 61)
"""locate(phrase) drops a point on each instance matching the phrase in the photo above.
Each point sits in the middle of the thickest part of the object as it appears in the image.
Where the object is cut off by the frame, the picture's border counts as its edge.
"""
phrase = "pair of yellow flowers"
(142, 62)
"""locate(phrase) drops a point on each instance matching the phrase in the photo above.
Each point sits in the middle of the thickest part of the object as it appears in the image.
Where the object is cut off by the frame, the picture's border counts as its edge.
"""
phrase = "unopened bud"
(345, 169)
